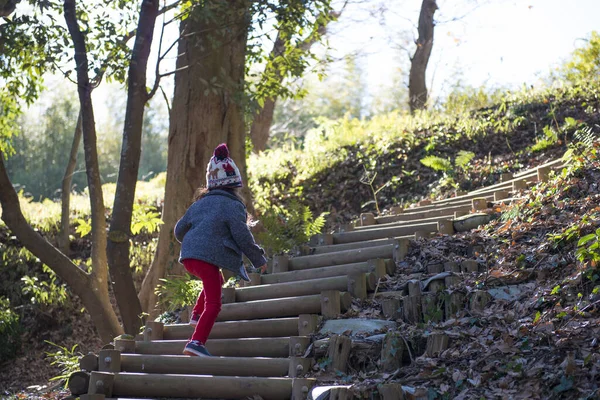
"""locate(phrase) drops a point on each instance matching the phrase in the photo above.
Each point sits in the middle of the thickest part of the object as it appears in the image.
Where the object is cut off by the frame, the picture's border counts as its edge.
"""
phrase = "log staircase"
(262, 340)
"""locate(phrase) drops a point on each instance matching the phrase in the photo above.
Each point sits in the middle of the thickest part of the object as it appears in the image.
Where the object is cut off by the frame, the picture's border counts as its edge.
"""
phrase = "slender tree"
(417, 87)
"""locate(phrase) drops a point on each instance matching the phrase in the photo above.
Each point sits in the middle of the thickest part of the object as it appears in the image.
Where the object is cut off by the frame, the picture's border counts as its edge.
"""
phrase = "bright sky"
(500, 43)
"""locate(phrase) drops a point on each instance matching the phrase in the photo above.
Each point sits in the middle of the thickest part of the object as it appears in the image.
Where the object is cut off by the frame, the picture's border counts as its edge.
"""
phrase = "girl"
(213, 234)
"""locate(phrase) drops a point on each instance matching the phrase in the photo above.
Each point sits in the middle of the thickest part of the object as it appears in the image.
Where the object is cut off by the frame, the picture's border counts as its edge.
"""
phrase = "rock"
(322, 392)
(356, 325)
(471, 221)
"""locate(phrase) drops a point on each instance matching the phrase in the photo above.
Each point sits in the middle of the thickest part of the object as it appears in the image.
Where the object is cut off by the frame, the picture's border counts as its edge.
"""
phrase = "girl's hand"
(263, 269)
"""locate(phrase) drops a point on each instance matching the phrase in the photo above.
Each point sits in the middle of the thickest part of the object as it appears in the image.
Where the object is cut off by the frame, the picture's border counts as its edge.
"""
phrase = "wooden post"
(153, 330)
(400, 249)
(432, 309)
(125, 345)
(301, 387)
(228, 295)
(307, 324)
(324, 239)
(377, 266)
(298, 345)
(101, 383)
(345, 301)
(500, 195)
(79, 383)
(357, 286)
(479, 300)
(280, 264)
(446, 227)
(109, 361)
(543, 174)
(299, 366)
(371, 279)
(437, 286)
(458, 214)
(451, 266)
(454, 303)
(392, 351)
(340, 393)
(506, 176)
(395, 210)
(519, 185)
(303, 250)
(338, 353)
(391, 308)
(367, 219)
(89, 362)
(421, 235)
(436, 344)
(451, 281)
(411, 306)
(254, 278)
(346, 228)
(435, 268)
(330, 304)
(479, 204)
(469, 266)
(391, 391)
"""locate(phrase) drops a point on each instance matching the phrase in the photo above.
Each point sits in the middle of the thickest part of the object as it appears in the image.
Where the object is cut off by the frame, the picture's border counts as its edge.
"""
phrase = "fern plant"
(286, 228)
(450, 172)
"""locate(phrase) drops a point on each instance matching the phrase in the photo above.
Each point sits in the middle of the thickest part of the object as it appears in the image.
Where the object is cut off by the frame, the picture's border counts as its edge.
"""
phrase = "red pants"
(208, 304)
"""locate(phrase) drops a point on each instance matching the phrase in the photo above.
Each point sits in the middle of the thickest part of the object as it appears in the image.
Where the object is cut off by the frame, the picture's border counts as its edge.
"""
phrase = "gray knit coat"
(214, 230)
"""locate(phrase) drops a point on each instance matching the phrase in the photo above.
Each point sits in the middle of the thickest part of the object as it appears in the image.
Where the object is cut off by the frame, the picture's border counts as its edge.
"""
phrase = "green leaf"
(437, 163)
(463, 158)
(586, 239)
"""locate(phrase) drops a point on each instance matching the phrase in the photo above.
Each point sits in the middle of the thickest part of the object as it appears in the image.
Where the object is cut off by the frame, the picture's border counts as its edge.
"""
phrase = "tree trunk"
(92, 291)
(65, 195)
(120, 226)
(417, 87)
(261, 124)
(88, 125)
(206, 111)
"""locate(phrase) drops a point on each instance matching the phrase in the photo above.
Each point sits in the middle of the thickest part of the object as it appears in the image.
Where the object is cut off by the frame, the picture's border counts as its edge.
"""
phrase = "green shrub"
(176, 292)
(10, 331)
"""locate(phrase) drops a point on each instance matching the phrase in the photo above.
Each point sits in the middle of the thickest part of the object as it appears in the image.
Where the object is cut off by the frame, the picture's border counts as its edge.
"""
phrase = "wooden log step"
(291, 289)
(341, 257)
(400, 223)
(357, 245)
(191, 386)
(277, 327)
(271, 308)
(225, 366)
(450, 202)
(322, 272)
(241, 347)
(410, 215)
(403, 230)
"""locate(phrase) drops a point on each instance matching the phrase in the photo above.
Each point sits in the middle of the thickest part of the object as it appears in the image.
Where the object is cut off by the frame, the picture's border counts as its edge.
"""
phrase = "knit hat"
(221, 171)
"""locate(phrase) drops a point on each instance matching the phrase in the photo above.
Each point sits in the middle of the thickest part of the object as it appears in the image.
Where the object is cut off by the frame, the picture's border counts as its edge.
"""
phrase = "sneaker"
(194, 319)
(195, 348)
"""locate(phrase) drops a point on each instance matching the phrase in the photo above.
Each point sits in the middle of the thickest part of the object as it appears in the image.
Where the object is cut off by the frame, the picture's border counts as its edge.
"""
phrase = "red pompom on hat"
(221, 171)
(221, 152)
